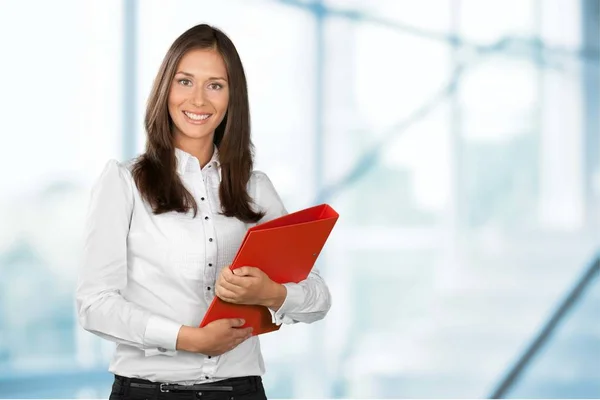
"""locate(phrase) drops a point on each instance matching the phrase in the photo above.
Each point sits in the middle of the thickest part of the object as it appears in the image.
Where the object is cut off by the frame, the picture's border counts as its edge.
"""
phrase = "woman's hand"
(214, 339)
(248, 285)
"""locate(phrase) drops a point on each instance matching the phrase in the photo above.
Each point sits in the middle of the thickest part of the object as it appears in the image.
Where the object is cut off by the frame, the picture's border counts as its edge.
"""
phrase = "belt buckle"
(163, 390)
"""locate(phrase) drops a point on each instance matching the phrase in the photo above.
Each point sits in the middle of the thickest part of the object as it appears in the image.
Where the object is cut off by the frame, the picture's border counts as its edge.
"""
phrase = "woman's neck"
(201, 149)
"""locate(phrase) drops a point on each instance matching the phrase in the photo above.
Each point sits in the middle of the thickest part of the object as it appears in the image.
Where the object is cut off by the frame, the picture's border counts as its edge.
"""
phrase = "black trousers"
(244, 388)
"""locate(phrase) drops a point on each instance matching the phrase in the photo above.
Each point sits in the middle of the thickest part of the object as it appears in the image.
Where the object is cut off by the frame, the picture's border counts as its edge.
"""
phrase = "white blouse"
(143, 276)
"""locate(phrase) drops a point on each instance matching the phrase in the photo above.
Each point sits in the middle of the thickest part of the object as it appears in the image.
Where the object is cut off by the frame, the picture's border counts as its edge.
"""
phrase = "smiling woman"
(203, 84)
(163, 228)
(198, 98)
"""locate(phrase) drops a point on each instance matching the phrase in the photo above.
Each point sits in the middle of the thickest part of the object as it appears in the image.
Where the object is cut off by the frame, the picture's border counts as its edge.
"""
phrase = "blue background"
(458, 139)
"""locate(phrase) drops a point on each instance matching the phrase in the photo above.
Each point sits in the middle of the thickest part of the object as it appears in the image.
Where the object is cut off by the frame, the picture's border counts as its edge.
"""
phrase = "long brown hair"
(155, 171)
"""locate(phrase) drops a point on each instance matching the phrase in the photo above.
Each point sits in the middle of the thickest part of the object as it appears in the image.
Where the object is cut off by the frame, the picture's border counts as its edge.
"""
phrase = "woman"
(161, 230)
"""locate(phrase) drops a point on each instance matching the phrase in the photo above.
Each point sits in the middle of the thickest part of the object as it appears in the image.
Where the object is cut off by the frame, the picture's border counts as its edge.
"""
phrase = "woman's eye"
(215, 86)
(185, 82)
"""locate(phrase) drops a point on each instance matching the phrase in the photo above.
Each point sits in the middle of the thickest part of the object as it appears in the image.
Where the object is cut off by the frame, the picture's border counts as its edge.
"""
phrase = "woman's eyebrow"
(212, 78)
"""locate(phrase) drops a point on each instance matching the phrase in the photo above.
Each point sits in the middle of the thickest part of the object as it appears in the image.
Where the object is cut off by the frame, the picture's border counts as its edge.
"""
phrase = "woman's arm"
(101, 307)
(309, 300)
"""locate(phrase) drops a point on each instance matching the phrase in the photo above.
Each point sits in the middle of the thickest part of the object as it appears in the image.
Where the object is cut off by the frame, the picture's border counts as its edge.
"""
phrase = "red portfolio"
(285, 249)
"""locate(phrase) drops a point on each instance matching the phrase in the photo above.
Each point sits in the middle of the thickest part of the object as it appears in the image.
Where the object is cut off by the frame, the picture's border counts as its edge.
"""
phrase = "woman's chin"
(198, 135)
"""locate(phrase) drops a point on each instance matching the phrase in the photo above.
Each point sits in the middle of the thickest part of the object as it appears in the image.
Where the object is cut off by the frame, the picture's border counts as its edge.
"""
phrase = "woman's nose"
(198, 97)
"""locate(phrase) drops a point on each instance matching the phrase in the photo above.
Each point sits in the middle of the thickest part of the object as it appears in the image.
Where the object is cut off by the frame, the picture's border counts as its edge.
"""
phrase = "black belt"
(227, 385)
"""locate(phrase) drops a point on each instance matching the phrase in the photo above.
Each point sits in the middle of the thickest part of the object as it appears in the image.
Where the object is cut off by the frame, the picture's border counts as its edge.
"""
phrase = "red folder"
(286, 249)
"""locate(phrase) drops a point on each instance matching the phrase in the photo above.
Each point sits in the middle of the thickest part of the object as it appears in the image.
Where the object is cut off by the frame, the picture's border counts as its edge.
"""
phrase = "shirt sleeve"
(309, 300)
(102, 308)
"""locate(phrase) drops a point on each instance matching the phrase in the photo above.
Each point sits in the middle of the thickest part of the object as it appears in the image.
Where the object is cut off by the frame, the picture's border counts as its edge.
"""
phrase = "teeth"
(196, 117)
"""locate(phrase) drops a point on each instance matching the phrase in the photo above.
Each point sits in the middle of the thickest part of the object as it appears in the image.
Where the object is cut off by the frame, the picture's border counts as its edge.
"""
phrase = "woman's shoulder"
(116, 169)
(265, 196)
(258, 176)
(115, 174)
(260, 181)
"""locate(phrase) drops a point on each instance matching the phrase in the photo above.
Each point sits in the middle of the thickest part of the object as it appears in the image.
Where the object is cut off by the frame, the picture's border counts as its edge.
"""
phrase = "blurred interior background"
(458, 139)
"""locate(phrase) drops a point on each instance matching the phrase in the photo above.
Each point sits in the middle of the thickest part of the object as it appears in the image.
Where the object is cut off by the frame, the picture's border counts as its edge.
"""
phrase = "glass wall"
(567, 365)
(458, 140)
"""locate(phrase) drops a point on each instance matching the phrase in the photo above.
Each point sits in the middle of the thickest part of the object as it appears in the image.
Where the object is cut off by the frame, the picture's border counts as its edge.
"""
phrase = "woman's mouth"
(196, 119)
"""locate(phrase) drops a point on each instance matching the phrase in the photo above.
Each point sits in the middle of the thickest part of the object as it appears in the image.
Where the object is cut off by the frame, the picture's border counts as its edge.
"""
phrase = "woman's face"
(199, 96)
